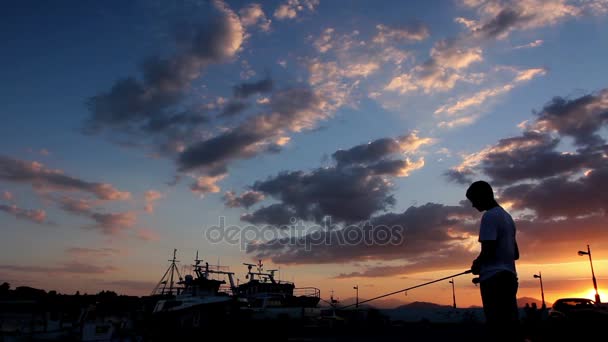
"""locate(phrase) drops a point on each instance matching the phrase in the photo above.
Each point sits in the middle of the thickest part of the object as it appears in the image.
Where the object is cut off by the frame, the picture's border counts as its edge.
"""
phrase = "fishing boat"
(268, 298)
(195, 300)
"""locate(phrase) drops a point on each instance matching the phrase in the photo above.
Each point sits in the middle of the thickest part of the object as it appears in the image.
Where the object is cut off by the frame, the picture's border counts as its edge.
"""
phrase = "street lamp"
(356, 296)
(588, 252)
(453, 293)
(539, 276)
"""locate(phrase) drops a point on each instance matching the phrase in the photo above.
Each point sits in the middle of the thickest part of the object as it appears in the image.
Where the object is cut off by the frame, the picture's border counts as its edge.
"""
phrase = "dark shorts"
(498, 294)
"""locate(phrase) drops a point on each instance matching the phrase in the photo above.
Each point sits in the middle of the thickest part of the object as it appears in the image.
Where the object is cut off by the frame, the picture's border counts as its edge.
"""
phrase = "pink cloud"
(34, 215)
(8, 196)
(67, 268)
(46, 179)
(147, 234)
(150, 197)
(80, 252)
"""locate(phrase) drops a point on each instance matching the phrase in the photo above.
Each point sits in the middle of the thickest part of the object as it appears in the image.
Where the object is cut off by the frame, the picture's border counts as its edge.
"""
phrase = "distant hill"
(422, 305)
(398, 304)
(378, 304)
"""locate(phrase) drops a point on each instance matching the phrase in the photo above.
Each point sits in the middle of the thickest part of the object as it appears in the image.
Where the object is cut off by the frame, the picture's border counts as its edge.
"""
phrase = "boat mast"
(170, 271)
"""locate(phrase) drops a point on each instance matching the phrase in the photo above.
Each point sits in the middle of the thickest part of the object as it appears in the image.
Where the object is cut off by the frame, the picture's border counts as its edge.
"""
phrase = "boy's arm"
(488, 252)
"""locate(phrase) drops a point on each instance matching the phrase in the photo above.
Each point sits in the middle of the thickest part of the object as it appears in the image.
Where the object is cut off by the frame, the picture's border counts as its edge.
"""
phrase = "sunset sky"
(132, 128)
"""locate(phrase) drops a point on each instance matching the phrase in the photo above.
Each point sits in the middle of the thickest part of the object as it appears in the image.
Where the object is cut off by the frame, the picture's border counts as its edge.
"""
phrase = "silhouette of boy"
(495, 265)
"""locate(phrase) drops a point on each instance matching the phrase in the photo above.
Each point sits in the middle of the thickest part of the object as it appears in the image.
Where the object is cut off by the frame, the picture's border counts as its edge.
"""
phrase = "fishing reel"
(475, 280)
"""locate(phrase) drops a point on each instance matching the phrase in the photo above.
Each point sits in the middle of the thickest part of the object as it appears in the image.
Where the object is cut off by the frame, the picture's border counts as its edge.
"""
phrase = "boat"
(198, 300)
(268, 298)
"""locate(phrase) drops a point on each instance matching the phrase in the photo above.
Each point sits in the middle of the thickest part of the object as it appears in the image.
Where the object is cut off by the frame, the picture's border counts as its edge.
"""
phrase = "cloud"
(347, 63)
(417, 32)
(526, 157)
(357, 186)
(67, 268)
(8, 196)
(207, 184)
(561, 196)
(245, 200)
(150, 197)
(291, 8)
(151, 112)
(45, 179)
(533, 44)
(33, 215)
(106, 223)
(324, 43)
(147, 234)
(233, 108)
(81, 252)
(423, 237)
(580, 118)
(499, 18)
(252, 15)
(477, 99)
(289, 110)
(470, 24)
(380, 148)
(276, 214)
(441, 71)
(247, 89)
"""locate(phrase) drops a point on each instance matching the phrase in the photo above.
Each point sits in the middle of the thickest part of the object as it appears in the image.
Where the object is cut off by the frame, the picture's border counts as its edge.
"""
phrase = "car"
(577, 309)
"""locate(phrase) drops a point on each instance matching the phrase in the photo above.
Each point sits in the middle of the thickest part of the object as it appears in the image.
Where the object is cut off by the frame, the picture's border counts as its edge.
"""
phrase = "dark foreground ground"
(421, 331)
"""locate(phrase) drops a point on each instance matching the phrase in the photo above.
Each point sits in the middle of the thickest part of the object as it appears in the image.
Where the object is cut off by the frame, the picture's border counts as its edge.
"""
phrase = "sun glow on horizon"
(590, 294)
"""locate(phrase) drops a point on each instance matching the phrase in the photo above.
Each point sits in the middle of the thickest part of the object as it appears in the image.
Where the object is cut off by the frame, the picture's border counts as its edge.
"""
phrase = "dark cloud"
(561, 196)
(420, 236)
(347, 195)
(459, 176)
(352, 190)
(580, 118)
(212, 155)
(537, 154)
(233, 108)
(133, 109)
(290, 110)
(544, 240)
(247, 89)
(502, 23)
(277, 214)
(367, 152)
(33, 215)
(43, 178)
(378, 149)
(245, 200)
(528, 157)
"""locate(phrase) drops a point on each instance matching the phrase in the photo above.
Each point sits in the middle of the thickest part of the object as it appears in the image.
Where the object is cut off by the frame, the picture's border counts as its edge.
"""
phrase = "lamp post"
(356, 296)
(453, 293)
(588, 252)
(539, 276)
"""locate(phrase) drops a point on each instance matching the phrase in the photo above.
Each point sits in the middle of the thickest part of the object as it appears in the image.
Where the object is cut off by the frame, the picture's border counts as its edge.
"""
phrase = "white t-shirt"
(497, 225)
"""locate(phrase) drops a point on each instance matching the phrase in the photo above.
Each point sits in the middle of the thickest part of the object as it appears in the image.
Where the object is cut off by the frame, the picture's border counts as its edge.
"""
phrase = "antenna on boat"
(168, 277)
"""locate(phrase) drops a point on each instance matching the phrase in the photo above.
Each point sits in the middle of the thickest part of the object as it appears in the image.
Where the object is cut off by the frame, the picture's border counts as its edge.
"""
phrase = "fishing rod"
(409, 288)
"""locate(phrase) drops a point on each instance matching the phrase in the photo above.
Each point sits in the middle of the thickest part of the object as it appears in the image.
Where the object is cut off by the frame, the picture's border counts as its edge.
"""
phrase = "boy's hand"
(475, 267)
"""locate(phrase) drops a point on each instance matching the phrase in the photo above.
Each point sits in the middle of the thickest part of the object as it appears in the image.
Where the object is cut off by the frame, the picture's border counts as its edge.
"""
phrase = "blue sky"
(435, 85)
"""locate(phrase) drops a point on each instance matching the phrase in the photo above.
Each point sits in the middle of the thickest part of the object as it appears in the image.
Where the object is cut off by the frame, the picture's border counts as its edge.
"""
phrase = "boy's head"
(481, 195)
